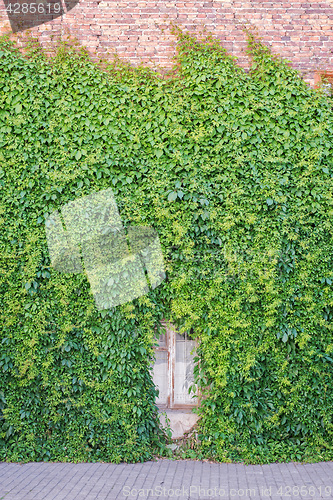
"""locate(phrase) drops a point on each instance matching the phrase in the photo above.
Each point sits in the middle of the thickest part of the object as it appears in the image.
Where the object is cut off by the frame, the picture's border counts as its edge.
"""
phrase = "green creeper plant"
(233, 170)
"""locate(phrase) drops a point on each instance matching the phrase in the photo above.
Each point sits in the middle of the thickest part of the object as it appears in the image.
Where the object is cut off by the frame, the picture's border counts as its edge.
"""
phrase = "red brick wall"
(301, 32)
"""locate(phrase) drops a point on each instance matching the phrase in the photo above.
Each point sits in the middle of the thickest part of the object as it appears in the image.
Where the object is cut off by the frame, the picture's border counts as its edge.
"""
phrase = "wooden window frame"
(170, 349)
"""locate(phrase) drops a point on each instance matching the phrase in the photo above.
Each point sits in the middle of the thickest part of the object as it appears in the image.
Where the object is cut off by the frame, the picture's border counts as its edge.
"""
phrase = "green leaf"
(172, 196)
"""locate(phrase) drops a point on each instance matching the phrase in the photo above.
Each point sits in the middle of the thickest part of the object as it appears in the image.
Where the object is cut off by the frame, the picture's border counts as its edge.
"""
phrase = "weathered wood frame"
(170, 349)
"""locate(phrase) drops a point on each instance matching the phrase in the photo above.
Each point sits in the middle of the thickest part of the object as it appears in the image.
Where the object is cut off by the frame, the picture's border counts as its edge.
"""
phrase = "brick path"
(165, 479)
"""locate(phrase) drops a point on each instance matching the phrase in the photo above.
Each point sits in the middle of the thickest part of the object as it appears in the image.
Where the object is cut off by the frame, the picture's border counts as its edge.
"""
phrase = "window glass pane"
(190, 334)
(185, 336)
(160, 376)
(180, 337)
(184, 372)
(161, 339)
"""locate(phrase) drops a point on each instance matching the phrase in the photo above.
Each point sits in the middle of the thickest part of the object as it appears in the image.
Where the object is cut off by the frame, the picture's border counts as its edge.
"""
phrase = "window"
(324, 78)
(173, 369)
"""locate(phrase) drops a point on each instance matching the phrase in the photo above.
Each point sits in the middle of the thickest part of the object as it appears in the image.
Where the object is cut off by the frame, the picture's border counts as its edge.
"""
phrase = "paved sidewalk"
(183, 479)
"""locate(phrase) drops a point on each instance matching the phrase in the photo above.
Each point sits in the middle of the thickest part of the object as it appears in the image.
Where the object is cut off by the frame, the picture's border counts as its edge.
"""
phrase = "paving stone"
(182, 479)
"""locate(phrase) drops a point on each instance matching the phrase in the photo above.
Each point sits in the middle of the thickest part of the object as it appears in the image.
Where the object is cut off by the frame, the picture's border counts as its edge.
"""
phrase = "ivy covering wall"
(233, 169)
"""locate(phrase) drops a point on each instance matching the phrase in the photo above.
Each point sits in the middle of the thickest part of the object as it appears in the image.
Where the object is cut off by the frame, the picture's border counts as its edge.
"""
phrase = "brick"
(301, 32)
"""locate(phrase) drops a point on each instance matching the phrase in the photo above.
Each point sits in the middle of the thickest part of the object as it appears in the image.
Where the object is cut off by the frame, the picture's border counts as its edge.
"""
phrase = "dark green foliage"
(234, 171)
